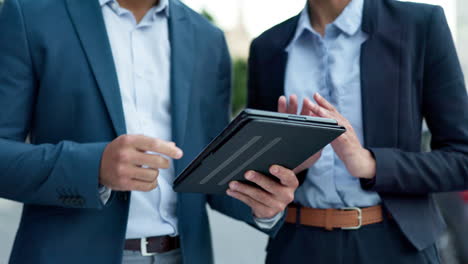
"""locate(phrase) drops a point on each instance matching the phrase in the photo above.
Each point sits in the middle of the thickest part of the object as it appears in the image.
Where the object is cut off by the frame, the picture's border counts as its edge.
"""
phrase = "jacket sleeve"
(223, 203)
(445, 107)
(65, 174)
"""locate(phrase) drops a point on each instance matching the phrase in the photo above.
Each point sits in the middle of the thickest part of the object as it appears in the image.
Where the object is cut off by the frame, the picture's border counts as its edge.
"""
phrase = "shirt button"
(139, 74)
(115, 6)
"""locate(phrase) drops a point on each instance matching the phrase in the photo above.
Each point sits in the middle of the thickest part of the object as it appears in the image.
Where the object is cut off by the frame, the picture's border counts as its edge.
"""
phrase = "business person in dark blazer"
(117, 97)
(379, 67)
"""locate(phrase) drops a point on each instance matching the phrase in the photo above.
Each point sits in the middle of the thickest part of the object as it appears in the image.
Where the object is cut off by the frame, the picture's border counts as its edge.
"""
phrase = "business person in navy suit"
(117, 97)
(379, 67)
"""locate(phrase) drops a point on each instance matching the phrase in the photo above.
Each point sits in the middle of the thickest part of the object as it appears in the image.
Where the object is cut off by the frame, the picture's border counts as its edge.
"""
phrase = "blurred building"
(238, 37)
(462, 34)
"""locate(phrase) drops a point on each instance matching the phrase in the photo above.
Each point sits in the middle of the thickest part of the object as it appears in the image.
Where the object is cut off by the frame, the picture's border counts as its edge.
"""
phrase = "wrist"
(368, 165)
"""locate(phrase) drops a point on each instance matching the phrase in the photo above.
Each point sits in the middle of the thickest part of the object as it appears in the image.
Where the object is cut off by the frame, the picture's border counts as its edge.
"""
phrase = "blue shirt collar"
(163, 6)
(348, 22)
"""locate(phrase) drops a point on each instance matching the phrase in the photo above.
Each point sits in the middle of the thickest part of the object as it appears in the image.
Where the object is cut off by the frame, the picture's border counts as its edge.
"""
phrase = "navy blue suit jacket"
(409, 72)
(58, 85)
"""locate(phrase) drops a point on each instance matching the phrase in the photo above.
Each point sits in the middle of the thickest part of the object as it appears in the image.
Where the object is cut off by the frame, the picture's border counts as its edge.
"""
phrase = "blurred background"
(242, 21)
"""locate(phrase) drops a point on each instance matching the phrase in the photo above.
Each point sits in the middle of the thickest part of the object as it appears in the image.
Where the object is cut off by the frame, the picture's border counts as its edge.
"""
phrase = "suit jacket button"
(80, 201)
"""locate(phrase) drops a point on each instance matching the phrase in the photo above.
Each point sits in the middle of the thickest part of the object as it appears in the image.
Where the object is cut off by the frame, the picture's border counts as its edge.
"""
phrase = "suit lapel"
(277, 63)
(277, 75)
(182, 38)
(380, 77)
(89, 25)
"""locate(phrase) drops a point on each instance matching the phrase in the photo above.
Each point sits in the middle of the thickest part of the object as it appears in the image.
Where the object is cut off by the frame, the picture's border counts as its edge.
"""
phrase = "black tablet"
(255, 140)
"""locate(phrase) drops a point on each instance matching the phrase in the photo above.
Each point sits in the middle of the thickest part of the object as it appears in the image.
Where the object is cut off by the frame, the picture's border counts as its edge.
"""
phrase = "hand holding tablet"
(254, 141)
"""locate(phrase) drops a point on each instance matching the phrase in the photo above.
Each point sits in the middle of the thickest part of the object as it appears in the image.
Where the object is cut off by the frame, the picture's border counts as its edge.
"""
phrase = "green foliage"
(239, 88)
(207, 15)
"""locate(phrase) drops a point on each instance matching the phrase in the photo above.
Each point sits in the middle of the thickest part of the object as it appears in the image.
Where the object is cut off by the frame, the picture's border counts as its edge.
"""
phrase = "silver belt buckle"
(144, 248)
(359, 211)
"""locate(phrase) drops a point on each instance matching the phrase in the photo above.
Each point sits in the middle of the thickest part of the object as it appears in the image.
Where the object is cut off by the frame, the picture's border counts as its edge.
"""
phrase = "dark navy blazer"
(409, 72)
(58, 85)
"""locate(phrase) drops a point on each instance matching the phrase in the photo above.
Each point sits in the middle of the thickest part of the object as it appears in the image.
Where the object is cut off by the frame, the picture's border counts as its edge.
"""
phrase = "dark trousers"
(373, 244)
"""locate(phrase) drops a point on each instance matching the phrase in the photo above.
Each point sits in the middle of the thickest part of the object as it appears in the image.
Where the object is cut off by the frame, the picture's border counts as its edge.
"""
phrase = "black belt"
(153, 245)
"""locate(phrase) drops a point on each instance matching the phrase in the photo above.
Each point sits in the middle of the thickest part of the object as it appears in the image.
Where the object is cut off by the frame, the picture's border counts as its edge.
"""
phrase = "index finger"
(160, 146)
(323, 102)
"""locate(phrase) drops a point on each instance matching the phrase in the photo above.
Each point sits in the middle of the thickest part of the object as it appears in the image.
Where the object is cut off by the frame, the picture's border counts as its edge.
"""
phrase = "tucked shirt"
(330, 65)
(141, 54)
(142, 57)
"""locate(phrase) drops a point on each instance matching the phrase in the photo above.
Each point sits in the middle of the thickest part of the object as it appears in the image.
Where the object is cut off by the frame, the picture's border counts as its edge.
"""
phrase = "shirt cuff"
(104, 194)
(268, 223)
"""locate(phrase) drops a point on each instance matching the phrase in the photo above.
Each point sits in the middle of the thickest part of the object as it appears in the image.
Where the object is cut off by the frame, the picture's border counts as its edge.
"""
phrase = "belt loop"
(298, 215)
(328, 219)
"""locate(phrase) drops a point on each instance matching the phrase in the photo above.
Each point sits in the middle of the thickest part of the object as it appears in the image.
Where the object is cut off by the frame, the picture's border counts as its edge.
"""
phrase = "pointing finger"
(169, 149)
(323, 102)
(319, 111)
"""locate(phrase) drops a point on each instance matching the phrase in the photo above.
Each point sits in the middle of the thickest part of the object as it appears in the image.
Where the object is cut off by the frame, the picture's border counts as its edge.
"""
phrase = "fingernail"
(234, 185)
(179, 153)
(249, 175)
(229, 192)
(274, 169)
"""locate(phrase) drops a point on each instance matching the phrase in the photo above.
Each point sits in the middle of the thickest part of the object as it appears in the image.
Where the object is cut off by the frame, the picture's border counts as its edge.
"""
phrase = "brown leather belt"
(153, 245)
(347, 218)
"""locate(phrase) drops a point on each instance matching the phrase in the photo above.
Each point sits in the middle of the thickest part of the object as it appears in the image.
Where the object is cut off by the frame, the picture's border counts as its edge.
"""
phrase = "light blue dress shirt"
(141, 53)
(142, 57)
(330, 65)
